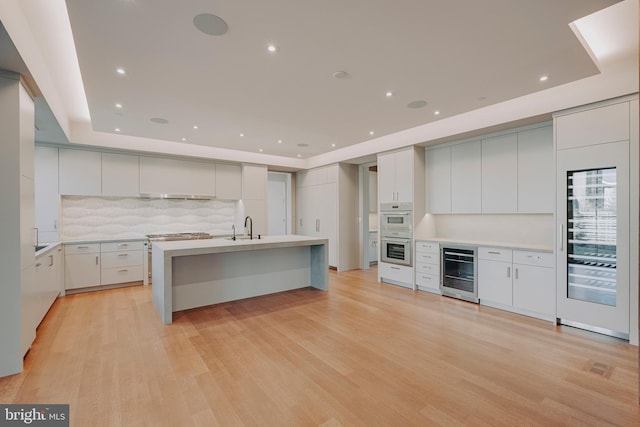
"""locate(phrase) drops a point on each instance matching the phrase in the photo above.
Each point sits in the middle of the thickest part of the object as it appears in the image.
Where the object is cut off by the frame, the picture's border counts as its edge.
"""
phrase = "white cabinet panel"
(254, 182)
(596, 126)
(80, 172)
(404, 176)
(439, 180)
(120, 175)
(466, 177)
(534, 289)
(228, 182)
(46, 193)
(396, 274)
(500, 174)
(494, 282)
(81, 270)
(386, 178)
(427, 262)
(179, 177)
(536, 171)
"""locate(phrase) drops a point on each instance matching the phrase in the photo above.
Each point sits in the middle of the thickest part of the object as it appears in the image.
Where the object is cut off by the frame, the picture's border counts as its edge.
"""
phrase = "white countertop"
(109, 240)
(197, 247)
(522, 246)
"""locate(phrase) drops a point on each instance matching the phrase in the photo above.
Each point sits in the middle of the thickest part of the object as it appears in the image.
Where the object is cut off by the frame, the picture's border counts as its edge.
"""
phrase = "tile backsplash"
(93, 218)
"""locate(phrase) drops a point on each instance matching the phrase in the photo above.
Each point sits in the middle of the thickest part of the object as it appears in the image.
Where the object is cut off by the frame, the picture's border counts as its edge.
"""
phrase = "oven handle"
(394, 240)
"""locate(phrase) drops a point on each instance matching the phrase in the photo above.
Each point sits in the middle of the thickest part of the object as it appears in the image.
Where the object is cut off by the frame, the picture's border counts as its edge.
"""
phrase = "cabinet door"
(534, 289)
(46, 193)
(500, 174)
(404, 175)
(494, 282)
(80, 172)
(466, 178)
(439, 180)
(178, 177)
(228, 182)
(386, 178)
(82, 270)
(254, 182)
(120, 175)
(536, 171)
(327, 210)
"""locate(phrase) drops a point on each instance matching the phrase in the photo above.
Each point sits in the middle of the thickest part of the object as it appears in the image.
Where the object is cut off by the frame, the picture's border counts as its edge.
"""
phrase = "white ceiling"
(457, 55)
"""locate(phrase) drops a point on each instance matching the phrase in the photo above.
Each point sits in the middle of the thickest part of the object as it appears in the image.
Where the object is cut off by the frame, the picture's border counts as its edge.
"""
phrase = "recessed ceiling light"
(371, 132)
(544, 78)
(302, 145)
(417, 104)
(272, 48)
(260, 150)
(340, 75)
(195, 126)
(436, 113)
(121, 71)
(241, 135)
(210, 24)
(333, 145)
(118, 105)
(184, 139)
(159, 120)
(299, 155)
(117, 129)
(279, 141)
(389, 94)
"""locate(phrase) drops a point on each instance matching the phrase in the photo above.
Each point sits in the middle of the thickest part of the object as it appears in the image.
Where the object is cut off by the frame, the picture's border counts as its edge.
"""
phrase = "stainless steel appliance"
(396, 233)
(459, 272)
(166, 237)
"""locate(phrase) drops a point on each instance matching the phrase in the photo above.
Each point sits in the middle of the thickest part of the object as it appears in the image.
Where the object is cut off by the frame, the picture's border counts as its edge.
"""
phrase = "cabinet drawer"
(427, 280)
(431, 258)
(86, 248)
(425, 268)
(540, 259)
(121, 246)
(121, 259)
(110, 276)
(495, 254)
(431, 247)
(398, 273)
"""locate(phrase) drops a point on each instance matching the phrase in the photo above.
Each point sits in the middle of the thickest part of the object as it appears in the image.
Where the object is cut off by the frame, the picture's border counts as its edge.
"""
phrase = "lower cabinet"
(519, 281)
(428, 266)
(102, 264)
(396, 274)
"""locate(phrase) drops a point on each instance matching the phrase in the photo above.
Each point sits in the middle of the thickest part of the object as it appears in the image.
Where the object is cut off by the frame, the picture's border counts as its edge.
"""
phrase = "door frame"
(363, 209)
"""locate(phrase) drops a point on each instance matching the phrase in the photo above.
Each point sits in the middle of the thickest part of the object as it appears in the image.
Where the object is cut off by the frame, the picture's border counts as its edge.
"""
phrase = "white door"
(277, 198)
(593, 241)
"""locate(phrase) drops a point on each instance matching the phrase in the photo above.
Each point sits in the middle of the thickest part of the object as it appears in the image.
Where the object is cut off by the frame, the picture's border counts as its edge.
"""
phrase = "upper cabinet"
(395, 176)
(466, 177)
(506, 173)
(177, 177)
(228, 182)
(80, 172)
(120, 175)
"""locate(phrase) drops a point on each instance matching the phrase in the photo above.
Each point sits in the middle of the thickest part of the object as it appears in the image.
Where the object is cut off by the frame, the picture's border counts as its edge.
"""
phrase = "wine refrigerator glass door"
(593, 246)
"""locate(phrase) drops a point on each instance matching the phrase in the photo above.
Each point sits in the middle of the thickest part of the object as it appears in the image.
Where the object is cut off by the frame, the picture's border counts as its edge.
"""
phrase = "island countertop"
(195, 273)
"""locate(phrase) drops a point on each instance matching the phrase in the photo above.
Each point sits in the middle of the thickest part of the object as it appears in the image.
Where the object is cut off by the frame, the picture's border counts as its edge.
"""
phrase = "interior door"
(593, 241)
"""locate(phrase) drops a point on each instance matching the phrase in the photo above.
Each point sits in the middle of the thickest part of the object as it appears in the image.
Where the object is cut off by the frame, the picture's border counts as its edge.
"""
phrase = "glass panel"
(459, 269)
(396, 251)
(591, 235)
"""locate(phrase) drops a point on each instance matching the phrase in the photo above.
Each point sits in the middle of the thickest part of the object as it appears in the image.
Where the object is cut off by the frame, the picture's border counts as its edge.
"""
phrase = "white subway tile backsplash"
(89, 218)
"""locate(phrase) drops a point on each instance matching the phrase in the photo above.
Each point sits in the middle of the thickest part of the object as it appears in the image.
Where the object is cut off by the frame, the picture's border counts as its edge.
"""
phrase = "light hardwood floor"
(363, 353)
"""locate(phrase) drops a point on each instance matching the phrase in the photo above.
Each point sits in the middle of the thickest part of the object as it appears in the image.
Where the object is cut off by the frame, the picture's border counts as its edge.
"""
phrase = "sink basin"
(40, 247)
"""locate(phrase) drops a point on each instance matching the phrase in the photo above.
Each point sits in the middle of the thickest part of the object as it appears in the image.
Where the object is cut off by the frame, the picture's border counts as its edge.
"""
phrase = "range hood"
(175, 196)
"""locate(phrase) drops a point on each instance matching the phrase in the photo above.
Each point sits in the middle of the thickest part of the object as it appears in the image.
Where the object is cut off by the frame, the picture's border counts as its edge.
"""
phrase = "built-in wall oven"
(396, 233)
(459, 265)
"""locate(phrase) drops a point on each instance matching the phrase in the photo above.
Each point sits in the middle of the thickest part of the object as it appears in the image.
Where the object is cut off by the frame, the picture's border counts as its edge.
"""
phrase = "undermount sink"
(40, 247)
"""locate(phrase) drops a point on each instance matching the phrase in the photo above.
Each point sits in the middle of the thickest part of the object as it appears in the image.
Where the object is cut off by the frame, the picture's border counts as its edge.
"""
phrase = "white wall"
(88, 218)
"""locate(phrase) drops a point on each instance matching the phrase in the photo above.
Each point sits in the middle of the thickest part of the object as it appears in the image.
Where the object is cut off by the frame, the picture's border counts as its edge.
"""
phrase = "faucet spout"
(233, 228)
(248, 218)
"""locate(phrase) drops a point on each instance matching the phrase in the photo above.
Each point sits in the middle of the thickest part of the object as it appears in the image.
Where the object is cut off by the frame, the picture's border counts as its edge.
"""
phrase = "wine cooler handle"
(562, 237)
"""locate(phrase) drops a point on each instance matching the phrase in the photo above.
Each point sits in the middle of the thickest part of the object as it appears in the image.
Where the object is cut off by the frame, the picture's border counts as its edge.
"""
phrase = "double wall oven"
(396, 233)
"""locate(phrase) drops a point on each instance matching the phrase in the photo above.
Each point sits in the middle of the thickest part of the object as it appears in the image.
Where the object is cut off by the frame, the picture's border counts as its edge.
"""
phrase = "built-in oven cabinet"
(395, 274)
(427, 269)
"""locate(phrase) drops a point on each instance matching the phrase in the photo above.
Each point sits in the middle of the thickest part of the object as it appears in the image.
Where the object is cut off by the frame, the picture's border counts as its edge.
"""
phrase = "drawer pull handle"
(82, 247)
(494, 253)
(38, 264)
(123, 254)
(123, 271)
(426, 277)
(123, 245)
(395, 268)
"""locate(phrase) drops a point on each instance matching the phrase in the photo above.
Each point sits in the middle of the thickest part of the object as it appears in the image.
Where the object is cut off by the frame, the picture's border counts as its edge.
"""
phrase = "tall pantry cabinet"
(327, 206)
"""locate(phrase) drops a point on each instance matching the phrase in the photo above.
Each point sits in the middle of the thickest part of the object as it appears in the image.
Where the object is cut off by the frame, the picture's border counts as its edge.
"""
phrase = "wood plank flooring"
(362, 354)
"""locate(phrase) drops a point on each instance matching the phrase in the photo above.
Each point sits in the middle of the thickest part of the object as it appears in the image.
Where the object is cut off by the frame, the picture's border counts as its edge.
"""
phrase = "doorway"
(369, 213)
(279, 203)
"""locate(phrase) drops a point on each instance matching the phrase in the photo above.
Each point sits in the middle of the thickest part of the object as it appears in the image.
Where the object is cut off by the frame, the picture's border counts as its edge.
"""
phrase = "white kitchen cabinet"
(439, 180)
(177, 177)
(495, 276)
(534, 284)
(373, 191)
(500, 174)
(48, 283)
(121, 262)
(228, 182)
(400, 275)
(254, 182)
(599, 125)
(47, 199)
(80, 172)
(82, 265)
(395, 176)
(466, 177)
(536, 173)
(427, 256)
(120, 175)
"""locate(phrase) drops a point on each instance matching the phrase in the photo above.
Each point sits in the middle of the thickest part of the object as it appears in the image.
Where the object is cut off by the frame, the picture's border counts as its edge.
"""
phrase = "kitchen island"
(195, 273)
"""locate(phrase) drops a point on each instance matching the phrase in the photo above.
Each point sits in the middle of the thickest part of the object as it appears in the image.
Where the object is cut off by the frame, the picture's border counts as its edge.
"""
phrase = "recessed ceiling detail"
(159, 120)
(417, 104)
(210, 24)
(341, 75)
(302, 145)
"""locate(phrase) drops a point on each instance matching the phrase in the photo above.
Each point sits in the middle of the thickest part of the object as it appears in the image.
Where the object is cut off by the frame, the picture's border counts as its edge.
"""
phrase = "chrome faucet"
(233, 228)
(250, 226)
